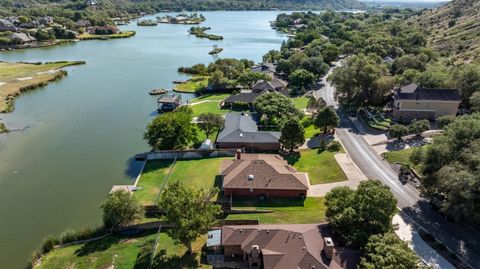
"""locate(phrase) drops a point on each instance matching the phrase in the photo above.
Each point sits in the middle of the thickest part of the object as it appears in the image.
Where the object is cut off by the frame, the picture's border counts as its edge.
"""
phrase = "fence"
(189, 154)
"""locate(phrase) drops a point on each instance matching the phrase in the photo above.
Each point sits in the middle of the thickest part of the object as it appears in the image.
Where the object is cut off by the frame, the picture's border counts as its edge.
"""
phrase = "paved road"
(463, 241)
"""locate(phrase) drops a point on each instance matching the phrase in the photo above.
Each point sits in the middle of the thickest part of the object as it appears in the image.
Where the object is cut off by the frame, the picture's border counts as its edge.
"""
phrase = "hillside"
(455, 29)
(194, 5)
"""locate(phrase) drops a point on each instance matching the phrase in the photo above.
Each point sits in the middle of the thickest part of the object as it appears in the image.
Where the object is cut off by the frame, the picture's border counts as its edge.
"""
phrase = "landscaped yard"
(209, 103)
(310, 129)
(199, 173)
(310, 210)
(402, 156)
(321, 167)
(152, 178)
(192, 85)
(300, 102)
(121, 252)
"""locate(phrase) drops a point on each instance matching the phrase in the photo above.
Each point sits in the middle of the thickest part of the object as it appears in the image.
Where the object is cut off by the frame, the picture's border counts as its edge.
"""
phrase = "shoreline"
(37, 75)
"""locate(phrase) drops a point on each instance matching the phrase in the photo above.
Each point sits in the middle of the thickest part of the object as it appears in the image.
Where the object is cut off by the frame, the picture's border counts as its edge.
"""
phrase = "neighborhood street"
(465, 242)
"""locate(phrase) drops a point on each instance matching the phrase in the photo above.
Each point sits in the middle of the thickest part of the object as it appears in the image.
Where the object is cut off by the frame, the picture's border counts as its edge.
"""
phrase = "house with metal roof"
(415, 102)
(241, 131)
(262, 175)
(284, 246)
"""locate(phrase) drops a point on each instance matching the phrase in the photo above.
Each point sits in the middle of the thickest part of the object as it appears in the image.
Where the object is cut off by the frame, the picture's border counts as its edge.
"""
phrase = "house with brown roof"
(274, 85)
(262, 175)
(290, 246)
(415, 102)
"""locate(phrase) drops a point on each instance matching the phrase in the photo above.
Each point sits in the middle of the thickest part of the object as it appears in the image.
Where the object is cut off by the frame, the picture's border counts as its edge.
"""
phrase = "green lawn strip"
(192, 85)
(403, 157)
(200, 173)
(310, 210)
(112, 250)
(211, 103)
(300, 102)
(212, 96)
(125, 34)
(151, 180)
(321, 167)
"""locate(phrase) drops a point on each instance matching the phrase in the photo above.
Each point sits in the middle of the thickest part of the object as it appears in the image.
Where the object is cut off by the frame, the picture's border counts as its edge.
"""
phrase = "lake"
(83, 130)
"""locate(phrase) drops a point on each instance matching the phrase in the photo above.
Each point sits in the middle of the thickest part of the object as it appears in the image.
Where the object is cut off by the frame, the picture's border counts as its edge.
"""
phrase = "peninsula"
(16, 78)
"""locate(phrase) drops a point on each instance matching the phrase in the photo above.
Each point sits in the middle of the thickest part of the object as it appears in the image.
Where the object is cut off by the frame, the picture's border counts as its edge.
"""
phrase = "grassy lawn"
(125, 34)
(210, 104)
(321, 167)
(310, 210)
(121, 252)
(15, 77)
(403, 157)
(310, 130)
(151, 180)
(300, 102)
(192, 85)
(200, 173)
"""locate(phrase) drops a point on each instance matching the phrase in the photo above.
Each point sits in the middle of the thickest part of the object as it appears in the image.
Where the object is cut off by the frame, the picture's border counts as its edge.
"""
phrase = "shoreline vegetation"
(200, 33)
(16, 78)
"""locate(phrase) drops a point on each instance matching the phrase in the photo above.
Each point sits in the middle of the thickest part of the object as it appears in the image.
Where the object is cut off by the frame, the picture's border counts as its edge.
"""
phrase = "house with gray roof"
(274, 85)
(240, 131)
(266, 68)
(242, 97)
(415, 102)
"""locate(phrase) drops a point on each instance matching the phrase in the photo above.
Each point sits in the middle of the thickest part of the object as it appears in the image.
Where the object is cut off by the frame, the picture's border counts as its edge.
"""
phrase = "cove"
(84, 129)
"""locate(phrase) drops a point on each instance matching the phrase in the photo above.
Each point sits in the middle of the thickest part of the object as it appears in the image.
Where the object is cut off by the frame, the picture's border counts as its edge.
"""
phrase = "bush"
(445, 120)
(48, 244)
(241, 106)
(417, 156)
(143, 257)
(334, 146)
(82, 234)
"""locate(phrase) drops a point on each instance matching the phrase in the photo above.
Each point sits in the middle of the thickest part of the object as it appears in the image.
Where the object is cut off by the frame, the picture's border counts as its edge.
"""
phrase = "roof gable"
(414, 92)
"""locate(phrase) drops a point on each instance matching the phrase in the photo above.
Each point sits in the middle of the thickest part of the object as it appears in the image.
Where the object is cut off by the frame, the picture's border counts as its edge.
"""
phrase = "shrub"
(445, 120)
(417, 156)
(334, 146)
(48, 243)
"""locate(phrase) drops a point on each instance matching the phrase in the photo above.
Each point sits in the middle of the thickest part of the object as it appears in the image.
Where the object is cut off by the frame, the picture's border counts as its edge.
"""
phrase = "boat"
(215, 50)
(157, 91)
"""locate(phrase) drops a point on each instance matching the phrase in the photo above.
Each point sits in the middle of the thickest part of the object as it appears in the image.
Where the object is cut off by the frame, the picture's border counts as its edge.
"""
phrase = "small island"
(215, 50)
(200, 33)
(193, 18)
(147, 23)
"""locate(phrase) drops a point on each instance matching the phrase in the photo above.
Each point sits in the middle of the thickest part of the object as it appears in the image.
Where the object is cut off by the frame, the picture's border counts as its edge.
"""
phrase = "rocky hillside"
(454, 29)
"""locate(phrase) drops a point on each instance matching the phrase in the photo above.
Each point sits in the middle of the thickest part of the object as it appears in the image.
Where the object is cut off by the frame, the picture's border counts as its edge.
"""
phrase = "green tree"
(474, 101)
(451, 167)
(388, 252)
(326, 119)
(436, 76)
(276, 108)
(467, 80)
(120, 209)
(357, 215)
(301, 79)
(398, 131)
(417, 127)
(217, 79)
(417, 155)
(249, 78)
(168, 131)
(315, 105)
(292, 135)
(209, 122)
(355, 81)
(190, 210)
(443, 121)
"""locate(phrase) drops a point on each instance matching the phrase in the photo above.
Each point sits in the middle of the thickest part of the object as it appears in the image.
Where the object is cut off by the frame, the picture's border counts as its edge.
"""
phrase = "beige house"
(415, 102)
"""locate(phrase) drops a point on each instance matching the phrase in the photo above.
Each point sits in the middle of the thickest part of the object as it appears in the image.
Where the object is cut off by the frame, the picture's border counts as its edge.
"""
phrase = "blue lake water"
(84, 129)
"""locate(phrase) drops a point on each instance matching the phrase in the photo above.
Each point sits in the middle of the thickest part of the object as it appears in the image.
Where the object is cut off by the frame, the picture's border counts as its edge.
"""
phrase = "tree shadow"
(187, 260)
(133, 167)
(97, 245)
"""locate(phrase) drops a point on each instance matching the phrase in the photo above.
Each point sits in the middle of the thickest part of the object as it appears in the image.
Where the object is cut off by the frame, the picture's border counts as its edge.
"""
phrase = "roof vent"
(300, 237)
(268, 231)
(241, 134)
(250, 177)
(303, 248)
(241, 230)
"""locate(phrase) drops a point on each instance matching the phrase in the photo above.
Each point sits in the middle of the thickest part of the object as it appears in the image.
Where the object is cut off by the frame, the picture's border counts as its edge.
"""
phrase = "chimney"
(238, 154)
(328, 248)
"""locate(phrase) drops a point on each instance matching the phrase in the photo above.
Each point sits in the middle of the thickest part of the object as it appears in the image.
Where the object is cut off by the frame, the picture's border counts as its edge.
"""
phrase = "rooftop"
(290, 246)
(262, 171)
(241, 127)
(415, 92)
